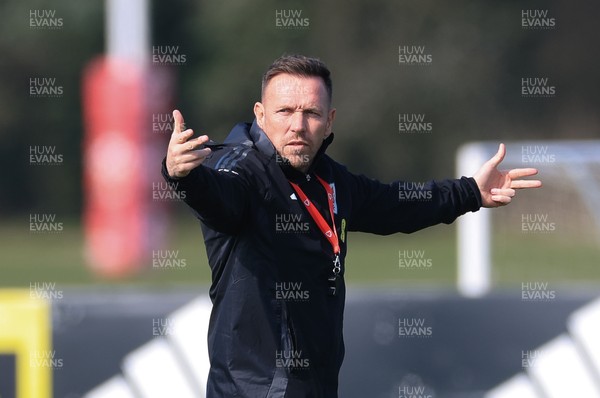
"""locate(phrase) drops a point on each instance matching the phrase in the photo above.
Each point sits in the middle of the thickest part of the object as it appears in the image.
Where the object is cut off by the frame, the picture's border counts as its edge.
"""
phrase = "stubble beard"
(298, 159)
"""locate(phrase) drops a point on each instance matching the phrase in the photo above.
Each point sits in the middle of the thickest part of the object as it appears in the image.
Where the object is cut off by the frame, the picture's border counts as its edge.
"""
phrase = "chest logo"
(335, 207)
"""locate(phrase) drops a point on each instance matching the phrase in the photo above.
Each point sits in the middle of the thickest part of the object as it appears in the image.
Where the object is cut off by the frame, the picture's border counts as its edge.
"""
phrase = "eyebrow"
(315, 108)
(310, 109)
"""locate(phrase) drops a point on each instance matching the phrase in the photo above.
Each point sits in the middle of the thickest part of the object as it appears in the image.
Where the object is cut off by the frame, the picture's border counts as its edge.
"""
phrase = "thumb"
(498, 157)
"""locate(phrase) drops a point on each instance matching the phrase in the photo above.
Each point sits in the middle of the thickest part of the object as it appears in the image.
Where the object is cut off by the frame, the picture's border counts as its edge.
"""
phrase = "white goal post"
(572, 159)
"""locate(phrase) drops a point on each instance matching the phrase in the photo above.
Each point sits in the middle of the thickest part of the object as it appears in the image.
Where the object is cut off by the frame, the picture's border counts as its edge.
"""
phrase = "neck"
(303, 168)
(300, 166)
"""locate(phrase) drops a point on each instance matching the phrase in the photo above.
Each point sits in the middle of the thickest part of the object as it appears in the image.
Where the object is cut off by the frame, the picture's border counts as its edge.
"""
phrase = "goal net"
(549, 235)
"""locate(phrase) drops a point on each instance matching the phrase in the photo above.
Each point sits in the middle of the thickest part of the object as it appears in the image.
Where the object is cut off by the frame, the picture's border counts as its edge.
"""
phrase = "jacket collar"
(252, 134)
(261, 141)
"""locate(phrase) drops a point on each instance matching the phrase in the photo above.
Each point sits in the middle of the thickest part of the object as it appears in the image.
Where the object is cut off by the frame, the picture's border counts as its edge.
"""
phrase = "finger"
(183, 169)
(189, 161)
(195, 143)
(520, 184)
(192, 146)
(501, 200)
(499, 156)
(183, 136)
(179, 122)
(193, 156)
(503, 192)
(518, 173)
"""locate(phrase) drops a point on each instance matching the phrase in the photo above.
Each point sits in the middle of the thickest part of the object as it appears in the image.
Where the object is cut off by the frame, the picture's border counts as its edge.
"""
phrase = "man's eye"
(284, 111)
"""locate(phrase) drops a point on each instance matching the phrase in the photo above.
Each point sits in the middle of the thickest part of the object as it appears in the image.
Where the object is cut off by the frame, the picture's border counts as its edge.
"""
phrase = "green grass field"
(58, 258)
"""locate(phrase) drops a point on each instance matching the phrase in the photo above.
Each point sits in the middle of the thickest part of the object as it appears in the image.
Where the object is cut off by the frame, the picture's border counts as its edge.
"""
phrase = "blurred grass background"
(517, 257)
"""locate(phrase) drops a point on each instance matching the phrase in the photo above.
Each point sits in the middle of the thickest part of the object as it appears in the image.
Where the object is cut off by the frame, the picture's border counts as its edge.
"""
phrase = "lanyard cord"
(329, 232)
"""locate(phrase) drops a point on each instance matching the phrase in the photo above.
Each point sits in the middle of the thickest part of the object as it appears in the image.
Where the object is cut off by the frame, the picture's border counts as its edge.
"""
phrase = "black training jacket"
(275, 331)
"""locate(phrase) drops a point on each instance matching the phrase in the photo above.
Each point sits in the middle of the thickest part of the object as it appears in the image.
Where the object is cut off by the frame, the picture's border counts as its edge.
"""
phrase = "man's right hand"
(183, 154)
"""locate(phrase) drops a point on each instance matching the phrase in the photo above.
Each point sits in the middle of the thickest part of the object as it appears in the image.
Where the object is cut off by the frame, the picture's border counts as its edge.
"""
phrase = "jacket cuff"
(165, 172)
(474, 202)
(180, 180)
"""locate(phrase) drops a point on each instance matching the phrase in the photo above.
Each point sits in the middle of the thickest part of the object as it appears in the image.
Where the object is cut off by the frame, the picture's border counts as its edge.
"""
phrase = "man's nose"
(298, 122)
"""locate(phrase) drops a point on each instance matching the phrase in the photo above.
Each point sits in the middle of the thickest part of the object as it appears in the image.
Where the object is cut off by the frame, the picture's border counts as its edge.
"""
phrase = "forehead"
(285, 87)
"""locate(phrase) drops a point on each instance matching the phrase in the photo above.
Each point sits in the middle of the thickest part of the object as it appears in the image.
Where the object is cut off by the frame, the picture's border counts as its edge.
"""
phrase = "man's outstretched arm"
(498, 187)
(218, 198)
(389, 208)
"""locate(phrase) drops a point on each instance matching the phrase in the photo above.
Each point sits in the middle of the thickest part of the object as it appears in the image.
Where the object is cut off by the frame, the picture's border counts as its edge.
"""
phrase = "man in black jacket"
(275, 212)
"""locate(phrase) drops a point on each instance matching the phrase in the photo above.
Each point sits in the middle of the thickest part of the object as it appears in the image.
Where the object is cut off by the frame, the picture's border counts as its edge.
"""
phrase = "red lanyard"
(329, 232)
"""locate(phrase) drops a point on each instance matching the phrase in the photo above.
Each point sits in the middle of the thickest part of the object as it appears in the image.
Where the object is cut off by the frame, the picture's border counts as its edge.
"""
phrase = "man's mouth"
(297, 143)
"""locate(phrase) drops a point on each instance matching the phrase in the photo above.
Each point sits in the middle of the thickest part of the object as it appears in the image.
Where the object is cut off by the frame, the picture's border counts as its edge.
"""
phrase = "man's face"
(295, 114)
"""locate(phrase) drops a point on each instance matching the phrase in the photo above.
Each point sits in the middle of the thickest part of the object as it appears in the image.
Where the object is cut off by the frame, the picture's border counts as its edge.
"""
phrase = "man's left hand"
(498, 187)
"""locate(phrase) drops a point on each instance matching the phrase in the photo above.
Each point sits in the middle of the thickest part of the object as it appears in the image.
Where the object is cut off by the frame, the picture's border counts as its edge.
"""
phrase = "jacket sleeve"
(219, 198)
(408, 207)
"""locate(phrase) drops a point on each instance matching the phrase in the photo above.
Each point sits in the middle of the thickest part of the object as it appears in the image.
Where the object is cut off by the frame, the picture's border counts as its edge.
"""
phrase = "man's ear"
(259, 113)
(330, 119)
